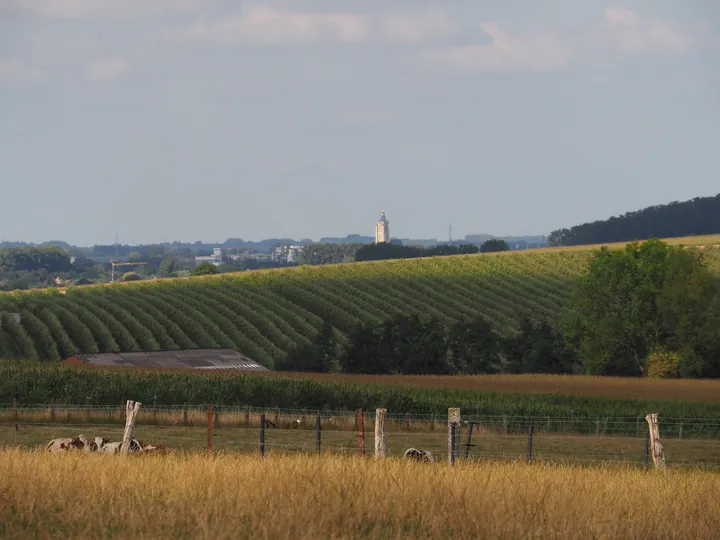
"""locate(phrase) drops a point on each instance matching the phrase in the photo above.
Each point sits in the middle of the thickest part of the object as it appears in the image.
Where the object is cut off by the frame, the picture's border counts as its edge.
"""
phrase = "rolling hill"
(264, 313)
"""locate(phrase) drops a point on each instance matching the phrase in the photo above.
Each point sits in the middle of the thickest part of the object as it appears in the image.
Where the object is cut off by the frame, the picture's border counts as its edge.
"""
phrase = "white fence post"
(131, 411)
(656, 446)
(380, 437)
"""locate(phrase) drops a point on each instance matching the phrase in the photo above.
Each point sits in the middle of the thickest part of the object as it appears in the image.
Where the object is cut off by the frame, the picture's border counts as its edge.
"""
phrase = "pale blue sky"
(208, 119)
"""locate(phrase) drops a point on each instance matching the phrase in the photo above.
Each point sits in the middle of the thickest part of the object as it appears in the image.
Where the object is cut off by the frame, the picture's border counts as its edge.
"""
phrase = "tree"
(168, 267)
(204, 269)
(320, 355)
(475, 347)
(644, 298)
(403, 344)
(538, 348)
(494, 245)
(131, 276)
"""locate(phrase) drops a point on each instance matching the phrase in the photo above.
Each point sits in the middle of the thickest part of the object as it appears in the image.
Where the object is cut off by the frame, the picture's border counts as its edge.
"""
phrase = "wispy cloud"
(265, 25)
(107, 69)
(506, 52)
(624, 32)
(15, 70)
(418, 27)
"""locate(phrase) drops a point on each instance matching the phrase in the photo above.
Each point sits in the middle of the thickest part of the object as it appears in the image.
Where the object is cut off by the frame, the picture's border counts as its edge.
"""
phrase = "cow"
(67, 444)
(419, 455)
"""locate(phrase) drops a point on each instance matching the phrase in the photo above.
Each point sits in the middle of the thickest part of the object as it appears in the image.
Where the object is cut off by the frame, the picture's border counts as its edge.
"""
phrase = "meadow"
(230, 496)
(264, 314)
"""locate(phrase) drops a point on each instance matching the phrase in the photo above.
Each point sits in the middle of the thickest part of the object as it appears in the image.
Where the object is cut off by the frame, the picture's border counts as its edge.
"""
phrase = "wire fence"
(271, 431)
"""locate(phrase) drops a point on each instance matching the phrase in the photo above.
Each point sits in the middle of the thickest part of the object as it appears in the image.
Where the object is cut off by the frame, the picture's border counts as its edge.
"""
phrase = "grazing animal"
(419, 455)
(58, 445)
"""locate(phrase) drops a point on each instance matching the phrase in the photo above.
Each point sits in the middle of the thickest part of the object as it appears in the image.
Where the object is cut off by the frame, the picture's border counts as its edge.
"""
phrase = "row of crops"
(265, 313)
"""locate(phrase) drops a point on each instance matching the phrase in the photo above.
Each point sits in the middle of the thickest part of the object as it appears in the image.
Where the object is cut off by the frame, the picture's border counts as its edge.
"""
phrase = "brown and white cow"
(419, 455)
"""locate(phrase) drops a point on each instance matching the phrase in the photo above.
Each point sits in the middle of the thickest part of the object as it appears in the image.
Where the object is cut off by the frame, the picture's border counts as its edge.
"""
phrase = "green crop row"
(265, 313)
(30, 383)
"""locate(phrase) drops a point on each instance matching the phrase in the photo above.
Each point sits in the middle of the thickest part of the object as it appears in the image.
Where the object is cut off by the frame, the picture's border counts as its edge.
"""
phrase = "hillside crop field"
(264, 313)
(229, 496)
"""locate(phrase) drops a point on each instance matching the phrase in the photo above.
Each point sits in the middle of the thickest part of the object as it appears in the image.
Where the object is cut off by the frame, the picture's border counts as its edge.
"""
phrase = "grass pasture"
(230, 496)
(264, 313)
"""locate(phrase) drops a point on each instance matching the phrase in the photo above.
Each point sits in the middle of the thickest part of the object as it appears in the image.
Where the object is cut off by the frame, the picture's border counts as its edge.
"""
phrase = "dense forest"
(695, 217)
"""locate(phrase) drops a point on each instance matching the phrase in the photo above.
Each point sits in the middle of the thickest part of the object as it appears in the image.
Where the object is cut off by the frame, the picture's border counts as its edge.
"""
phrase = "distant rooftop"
(201, 359)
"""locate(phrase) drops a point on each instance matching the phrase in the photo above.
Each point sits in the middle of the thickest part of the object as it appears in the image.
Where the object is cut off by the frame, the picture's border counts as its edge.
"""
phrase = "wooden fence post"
(209, 428)
(655, 445)
(131, 411)
(380, 435)
(453, 434)
(361, 433)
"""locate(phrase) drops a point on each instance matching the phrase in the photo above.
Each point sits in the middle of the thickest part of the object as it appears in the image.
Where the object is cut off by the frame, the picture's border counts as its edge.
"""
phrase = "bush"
(131, 276)
(663, 364)
(204, 269)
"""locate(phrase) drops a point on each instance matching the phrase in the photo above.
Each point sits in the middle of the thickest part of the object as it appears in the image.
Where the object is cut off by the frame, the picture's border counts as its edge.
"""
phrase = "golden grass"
(193, 496)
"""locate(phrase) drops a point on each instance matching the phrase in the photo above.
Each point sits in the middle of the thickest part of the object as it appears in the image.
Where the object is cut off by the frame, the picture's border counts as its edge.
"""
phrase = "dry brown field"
(306, 497)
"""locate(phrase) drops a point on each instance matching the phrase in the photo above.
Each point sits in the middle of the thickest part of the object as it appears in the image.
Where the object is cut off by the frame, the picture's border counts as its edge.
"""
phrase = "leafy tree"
(475, 347)
(131, 276)
(167, 267)
(538, 348)
(403, 344)
(646, 297)
(494, 245)
(319, 356)
(697, 216)
(204, 269)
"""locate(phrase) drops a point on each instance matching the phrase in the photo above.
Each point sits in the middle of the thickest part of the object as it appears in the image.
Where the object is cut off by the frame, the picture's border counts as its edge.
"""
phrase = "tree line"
(650, 309)
(690, 218)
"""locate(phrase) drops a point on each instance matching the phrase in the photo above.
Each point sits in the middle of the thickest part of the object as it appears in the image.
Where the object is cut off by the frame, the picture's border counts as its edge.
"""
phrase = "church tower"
(382, 229)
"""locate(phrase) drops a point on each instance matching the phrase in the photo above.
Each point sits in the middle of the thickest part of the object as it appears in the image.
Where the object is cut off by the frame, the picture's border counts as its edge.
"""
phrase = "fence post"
(361, 433)
(131, 410)
(469, 436)
(505, 424)
(318, 427)
(530, 441)
(209, 428)
(185, 420)
(655, 445)
(453, 434)
(380, 436)
(647, 448)
(680, 431)
(262, 434)
(87, 408)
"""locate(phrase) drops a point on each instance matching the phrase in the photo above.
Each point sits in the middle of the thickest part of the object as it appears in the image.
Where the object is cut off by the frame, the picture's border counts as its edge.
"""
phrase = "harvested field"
(193, 496)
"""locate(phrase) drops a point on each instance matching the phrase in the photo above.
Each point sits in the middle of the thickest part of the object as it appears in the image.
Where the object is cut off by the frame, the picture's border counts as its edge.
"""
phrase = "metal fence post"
(647, 448)
(530, 443)
(317, 433)
(262, 434)
(209, 428)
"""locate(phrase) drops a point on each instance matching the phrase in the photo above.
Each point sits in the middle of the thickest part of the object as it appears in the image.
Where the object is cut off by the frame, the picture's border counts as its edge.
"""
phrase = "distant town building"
(216, 258)
(382, 229)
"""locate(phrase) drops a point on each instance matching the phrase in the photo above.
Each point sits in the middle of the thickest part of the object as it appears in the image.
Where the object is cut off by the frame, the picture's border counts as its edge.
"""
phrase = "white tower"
(382, 229)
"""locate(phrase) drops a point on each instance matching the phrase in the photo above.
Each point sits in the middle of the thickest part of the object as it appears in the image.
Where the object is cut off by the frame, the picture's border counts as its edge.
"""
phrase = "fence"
(449, 438)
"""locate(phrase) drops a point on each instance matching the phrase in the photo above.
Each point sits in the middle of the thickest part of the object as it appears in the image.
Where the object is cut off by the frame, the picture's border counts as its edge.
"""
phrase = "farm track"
(265, 313)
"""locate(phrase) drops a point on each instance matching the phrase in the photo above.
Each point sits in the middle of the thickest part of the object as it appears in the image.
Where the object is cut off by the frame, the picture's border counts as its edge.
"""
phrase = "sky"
(162, 120)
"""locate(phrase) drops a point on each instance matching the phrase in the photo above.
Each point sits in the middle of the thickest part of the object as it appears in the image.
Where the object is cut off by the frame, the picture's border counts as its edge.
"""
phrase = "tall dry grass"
(193, 496)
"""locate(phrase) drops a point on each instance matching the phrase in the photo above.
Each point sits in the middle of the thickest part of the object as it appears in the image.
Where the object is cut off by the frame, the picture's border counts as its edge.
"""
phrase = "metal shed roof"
(188, 359)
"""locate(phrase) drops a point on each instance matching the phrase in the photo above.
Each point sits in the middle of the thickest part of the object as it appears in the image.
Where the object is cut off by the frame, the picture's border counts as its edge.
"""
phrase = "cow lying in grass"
(101, 445)
(419, 455)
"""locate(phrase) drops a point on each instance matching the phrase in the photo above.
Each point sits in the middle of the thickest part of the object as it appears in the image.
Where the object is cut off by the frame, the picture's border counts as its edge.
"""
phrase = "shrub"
(663, 364)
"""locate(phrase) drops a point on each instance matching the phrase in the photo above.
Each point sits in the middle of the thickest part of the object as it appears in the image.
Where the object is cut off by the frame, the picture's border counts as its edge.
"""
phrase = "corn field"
(264, 313)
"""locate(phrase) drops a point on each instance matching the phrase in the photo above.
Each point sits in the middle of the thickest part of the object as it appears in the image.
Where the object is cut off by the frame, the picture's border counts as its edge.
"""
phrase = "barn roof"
(202, 359)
